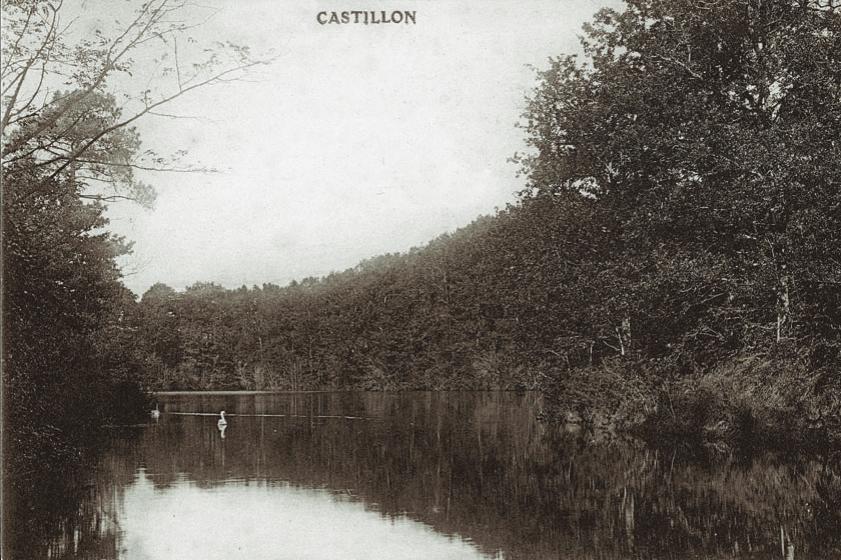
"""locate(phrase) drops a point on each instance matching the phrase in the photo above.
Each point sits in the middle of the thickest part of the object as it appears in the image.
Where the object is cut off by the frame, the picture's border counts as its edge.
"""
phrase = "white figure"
(222, 421)
(155, 413)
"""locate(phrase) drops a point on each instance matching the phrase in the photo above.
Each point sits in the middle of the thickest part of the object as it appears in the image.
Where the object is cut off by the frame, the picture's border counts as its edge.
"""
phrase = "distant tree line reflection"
(476, 465)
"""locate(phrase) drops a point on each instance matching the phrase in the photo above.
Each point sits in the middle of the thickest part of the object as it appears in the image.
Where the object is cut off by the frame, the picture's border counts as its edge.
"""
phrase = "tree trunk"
(623, 334)
(783, 303)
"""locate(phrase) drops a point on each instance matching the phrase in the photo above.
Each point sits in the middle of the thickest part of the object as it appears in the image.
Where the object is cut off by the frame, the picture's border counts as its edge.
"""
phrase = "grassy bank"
(744, 404)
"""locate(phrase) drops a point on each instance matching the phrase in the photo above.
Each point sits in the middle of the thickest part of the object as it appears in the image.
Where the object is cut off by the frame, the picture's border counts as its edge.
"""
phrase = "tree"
(68, 147)
(708, 134)
(83, 132)
(159, 318)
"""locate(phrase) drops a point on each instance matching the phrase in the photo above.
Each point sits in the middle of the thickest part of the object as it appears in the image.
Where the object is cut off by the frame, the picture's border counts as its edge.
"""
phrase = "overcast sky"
(358, 140)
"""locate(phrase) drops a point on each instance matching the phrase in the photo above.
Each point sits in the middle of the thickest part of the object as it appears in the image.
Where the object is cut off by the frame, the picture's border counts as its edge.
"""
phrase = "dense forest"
(469, 310)
(673, 262)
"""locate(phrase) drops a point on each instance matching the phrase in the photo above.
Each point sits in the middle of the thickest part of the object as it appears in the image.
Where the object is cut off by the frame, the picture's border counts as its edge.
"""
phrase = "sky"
(355, 141)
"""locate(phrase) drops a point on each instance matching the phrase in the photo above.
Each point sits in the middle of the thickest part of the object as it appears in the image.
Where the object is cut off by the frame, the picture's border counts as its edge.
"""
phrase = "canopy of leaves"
(68, 146)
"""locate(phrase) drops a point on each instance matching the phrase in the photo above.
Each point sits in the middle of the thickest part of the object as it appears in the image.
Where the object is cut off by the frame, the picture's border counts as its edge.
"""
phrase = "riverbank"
(746, 404)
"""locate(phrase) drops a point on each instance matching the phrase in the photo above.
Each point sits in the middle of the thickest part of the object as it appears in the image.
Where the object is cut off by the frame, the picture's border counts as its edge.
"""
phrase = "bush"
(749, 404)
(746, 404)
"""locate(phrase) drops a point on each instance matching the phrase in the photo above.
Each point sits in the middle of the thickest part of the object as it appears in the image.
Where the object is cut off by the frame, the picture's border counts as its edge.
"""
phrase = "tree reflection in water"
(476, 466)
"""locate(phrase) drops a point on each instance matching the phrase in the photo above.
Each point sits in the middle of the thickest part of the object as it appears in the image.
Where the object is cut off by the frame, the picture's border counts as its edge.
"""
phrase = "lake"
(468, 475)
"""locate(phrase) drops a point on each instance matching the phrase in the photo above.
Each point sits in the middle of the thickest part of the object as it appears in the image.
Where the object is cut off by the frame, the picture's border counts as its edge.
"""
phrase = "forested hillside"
(486, 307)
(674, 260)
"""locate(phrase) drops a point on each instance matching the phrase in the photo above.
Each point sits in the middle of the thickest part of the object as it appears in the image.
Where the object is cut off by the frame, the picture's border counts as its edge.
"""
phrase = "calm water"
(427, 476)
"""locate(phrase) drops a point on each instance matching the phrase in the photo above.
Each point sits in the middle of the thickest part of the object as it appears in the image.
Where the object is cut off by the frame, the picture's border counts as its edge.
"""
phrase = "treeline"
(513, 300)
(674, 262)
(484, 307)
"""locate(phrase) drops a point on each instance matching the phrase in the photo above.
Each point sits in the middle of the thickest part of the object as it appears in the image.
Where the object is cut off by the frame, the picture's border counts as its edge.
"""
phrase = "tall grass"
(752, 403)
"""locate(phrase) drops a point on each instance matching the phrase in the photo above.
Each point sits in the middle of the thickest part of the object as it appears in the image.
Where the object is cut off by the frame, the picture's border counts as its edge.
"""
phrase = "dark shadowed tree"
(709, 133)
(68, 146)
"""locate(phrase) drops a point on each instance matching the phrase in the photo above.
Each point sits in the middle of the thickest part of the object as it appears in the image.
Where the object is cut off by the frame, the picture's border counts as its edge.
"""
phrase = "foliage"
(469, 310)
(751, 404)
(682, 213)
(62, 108)
(709, 136)
(68, 147)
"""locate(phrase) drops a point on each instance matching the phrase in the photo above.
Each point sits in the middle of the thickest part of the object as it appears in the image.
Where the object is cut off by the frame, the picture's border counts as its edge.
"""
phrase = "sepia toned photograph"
(421, 279)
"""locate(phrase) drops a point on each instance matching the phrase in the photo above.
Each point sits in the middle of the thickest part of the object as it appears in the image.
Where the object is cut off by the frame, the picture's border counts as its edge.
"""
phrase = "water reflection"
(271, 520)
(425, 475)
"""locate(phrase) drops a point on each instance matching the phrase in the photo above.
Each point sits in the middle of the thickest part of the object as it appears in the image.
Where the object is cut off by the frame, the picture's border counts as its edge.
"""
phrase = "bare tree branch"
(20, 36)
(126, 122)
(143, 167)
(21, 78)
